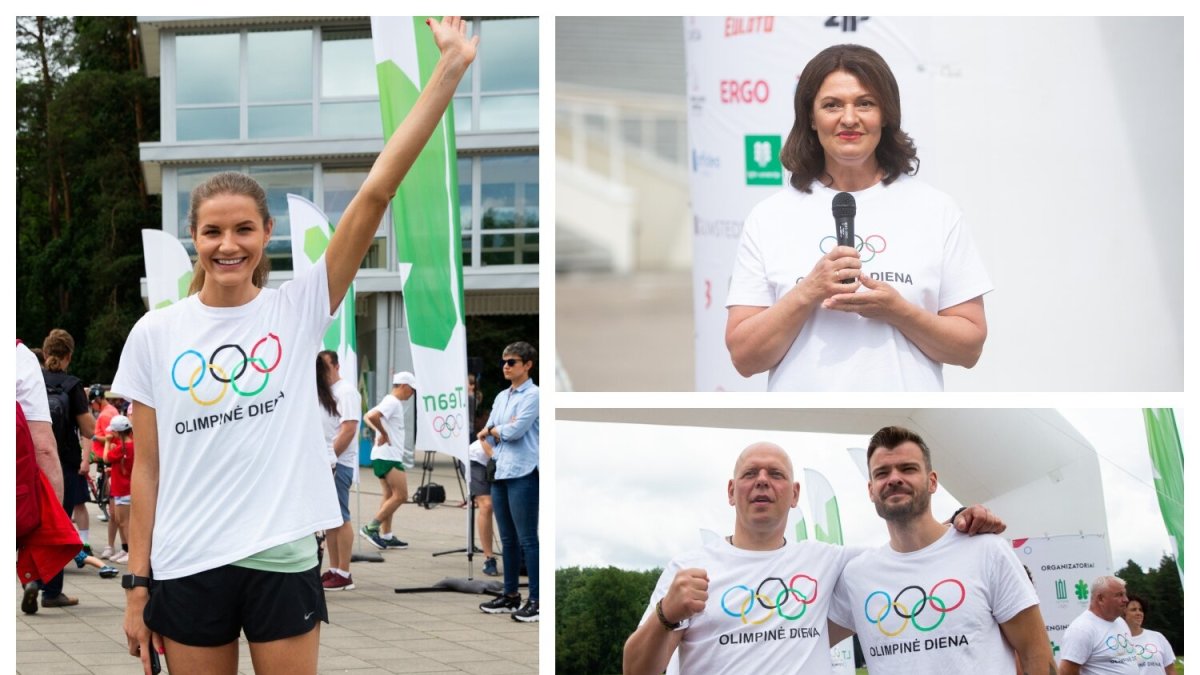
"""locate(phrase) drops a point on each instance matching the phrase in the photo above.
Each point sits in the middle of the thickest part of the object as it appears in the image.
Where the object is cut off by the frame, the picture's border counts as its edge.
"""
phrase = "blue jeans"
(515, 505)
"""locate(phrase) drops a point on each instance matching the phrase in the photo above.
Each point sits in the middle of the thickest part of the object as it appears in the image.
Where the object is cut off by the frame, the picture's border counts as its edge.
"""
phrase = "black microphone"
(844, 209)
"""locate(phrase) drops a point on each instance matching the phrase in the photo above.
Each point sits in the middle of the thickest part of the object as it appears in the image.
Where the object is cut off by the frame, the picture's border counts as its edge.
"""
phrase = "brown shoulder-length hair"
(229, 183)
(803, 155)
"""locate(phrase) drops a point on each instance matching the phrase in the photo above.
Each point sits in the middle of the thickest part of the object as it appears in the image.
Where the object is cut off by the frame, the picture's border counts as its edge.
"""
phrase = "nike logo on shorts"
(308, 615)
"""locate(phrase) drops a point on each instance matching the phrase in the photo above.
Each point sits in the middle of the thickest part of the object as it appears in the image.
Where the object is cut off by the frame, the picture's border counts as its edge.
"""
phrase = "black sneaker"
(393, 542)
(505, 604)
(528, 613)
(489, 567)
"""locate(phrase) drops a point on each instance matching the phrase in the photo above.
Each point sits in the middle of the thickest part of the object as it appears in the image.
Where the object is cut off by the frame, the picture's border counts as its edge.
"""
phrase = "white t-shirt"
(349, 405)
(392, 411)
(1099, 647)
(753, 622)
(1153, 652)
(31, 386)
(896, 602)
(911, 236)
(242, 466)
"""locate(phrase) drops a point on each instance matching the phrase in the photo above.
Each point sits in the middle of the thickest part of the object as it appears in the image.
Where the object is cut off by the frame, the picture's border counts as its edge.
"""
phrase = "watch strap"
(130, 581)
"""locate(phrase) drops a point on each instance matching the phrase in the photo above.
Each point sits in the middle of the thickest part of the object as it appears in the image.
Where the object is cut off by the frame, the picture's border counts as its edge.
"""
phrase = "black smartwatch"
(131, 581)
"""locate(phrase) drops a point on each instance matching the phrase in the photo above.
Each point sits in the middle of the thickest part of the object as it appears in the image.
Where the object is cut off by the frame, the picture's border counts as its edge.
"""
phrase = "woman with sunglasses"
(513, 430)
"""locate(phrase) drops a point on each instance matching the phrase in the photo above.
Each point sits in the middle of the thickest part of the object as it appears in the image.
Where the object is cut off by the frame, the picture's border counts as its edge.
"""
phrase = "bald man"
(752, 601)
(1097, 641)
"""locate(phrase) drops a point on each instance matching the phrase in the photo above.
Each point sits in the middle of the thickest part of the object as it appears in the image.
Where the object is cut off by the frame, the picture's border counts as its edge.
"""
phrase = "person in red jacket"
(118, 453)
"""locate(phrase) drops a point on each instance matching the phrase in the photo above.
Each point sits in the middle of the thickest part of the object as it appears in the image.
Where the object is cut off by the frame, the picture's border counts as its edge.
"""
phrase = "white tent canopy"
(1030, 466)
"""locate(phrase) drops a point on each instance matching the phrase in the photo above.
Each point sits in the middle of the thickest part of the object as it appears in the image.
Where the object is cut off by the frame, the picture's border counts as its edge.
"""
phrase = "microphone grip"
(845, 237)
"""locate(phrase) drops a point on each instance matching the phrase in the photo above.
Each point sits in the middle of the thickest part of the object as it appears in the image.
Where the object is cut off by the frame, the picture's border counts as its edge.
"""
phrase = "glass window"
(351, 118)
(508, 112)
(340, 187)
(280, 121)
(347, 64)
(278, 181)
(510, 249)
(206, 69)
(511, 59)
(465, 214)
(508, 192)
(462, 113)
(206, 124)
(279, 66)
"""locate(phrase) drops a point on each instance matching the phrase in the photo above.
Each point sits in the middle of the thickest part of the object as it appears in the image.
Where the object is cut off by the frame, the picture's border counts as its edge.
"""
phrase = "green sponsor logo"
(762, 160)
(1081, 590)
(1060, 589)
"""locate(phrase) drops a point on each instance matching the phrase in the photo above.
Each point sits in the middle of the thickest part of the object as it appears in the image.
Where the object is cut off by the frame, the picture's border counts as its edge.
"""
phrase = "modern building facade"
(293, 102)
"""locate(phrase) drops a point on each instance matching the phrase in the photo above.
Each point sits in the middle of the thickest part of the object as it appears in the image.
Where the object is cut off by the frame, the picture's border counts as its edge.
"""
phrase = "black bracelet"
(955, 516)
(663, 618)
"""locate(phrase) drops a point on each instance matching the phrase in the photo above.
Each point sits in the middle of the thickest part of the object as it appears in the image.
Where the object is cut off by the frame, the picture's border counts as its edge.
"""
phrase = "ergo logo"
(745, 91)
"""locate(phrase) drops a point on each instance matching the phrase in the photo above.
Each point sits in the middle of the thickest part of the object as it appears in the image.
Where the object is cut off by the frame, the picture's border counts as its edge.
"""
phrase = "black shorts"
(210, 609)
(75, 489)
(479, 482)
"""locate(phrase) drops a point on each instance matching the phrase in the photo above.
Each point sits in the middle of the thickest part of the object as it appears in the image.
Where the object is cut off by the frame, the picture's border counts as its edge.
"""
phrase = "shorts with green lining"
(381, 467)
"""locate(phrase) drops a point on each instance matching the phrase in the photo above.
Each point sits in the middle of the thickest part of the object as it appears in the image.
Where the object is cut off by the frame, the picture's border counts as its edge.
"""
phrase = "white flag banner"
(425, 218)
(168, 268)
(1063, 569)
(311, 232)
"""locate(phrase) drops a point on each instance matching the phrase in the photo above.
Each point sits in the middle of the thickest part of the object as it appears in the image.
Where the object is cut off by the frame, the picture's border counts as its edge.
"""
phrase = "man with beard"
(752, 601)
(933, 600)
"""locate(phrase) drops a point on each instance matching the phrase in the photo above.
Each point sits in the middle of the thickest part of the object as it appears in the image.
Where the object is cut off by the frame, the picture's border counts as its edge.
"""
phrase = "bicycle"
(99, 488)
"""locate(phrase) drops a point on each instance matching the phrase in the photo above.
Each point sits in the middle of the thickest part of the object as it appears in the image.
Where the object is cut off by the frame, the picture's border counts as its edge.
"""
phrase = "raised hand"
(450, 35)
(687, 595)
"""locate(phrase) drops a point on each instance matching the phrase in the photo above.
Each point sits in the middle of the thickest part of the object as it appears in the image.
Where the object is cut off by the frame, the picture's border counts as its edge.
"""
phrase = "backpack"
(66, 433)
(29, 485)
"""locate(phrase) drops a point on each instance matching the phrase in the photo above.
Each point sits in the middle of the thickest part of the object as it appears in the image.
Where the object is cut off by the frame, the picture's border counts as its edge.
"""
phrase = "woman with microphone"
(882, 314)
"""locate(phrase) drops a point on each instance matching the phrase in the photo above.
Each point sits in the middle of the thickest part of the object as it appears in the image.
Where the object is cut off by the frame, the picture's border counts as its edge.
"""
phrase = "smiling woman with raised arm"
(222, 396)
(885, 313)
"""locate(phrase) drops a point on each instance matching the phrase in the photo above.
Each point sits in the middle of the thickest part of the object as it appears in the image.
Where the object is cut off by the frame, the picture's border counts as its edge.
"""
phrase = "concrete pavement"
(372, 629)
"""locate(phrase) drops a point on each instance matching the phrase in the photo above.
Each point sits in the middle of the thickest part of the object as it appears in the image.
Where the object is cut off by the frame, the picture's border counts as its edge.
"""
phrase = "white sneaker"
(120, 558)
(107, 553)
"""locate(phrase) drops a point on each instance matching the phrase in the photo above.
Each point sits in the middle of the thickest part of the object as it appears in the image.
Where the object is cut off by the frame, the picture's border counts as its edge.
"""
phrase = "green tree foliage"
(83, 105)
(487, 336)
(1163, 592)
(595, 611)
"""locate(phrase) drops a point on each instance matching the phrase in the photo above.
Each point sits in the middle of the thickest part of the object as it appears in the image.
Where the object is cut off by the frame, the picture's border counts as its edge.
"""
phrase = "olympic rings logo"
(227, 365)
(448, 425)
(873, 244)
(877, 613)
(773, 595)
(1120, 643)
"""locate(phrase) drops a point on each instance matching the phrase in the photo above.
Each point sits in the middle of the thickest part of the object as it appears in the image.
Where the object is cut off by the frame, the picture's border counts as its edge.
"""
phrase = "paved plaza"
(372, 629)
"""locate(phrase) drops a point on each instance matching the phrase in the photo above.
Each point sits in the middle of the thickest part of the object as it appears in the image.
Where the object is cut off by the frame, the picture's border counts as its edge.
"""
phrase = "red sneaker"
(337, 582)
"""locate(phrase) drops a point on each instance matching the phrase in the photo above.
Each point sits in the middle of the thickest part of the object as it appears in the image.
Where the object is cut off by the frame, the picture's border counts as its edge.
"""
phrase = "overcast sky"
(635, 495)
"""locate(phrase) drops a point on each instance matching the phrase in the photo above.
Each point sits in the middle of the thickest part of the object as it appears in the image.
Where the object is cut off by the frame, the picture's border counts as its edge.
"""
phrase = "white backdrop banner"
(741, 82)
(1063, 569)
